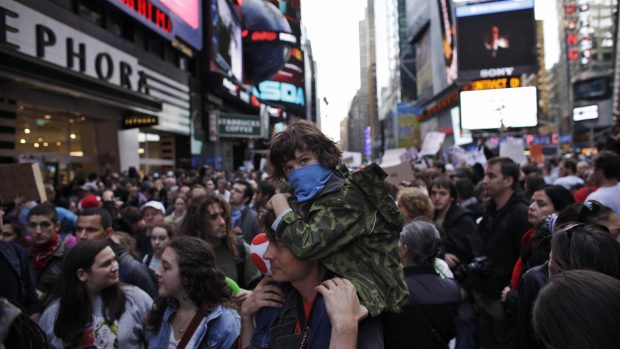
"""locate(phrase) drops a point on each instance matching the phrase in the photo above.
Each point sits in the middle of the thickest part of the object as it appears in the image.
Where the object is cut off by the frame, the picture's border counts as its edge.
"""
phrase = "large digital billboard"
(448, 39)
(496, 39)
(287, 87)
(226, 45)
(169, 18)
(490, 109)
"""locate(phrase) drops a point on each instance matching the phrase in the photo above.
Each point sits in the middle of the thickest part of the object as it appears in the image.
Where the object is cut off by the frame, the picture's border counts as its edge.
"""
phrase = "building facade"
(587, 32)
(89, 86)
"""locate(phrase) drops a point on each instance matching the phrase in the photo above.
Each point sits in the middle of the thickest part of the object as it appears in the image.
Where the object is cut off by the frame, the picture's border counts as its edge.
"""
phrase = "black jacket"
(501, 233)
(529, 287)
(461, 237)
(18, 283)
(428, 318)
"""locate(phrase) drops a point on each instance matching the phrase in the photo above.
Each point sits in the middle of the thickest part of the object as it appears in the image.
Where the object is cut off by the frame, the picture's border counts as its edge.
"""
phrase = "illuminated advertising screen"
(287, 87)
(448, 40)
(585, 113)
(291, 9)
(226, 45)
(490, 109)
(169, 18)
(496, 39)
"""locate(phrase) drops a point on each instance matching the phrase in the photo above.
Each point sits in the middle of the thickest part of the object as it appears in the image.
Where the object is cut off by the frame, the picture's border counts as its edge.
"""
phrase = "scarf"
(236, 215)
(41, 253)
(308, 181)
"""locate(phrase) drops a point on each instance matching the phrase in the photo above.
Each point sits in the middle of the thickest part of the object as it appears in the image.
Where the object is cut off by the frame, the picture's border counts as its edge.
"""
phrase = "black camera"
(476, 266)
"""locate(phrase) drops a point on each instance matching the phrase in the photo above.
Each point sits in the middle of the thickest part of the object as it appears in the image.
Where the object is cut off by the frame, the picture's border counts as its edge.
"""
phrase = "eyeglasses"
(43, 225)
(579, 226)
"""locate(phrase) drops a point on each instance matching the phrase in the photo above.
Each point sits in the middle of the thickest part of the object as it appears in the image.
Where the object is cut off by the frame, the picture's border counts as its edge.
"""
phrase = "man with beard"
(208, 218)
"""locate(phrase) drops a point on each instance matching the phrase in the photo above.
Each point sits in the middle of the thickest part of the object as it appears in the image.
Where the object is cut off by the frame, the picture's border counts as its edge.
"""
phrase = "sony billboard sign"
(37, 35)
(501, 39)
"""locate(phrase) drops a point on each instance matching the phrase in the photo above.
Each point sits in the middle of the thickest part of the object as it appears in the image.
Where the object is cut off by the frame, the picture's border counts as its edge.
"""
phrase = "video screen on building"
(170, 18)
(226, 44)
(588, 112)
(448, 40)
(592, 89)
(496, 39)
(187, 10)
(287, 87)
(489, 109)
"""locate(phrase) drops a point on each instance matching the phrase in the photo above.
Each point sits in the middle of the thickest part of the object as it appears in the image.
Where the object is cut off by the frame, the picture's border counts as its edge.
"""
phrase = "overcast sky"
(332, 27)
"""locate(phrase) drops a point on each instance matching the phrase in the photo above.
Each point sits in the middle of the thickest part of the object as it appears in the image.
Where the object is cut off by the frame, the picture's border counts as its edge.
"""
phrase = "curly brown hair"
(301, 135)
(203, 281)
(417, 203)
(195, 222)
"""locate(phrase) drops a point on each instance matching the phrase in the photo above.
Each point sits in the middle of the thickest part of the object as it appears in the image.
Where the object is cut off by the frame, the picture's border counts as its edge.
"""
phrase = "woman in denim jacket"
(191, 309)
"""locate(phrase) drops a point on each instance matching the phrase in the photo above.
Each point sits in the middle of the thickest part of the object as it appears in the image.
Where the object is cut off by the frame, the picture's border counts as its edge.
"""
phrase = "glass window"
(69, 141)
(91, 11)
(155, 46)
(67, 4)
(139, 38)
(114, 24)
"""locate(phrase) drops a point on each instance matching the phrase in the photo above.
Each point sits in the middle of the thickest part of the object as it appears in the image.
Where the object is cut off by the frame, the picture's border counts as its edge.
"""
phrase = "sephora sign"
(37, 35)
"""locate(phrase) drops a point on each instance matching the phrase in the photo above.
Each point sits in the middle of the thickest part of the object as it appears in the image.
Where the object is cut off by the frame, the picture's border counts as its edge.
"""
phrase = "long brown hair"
(75, 309)
(195, 221)
(203, 281)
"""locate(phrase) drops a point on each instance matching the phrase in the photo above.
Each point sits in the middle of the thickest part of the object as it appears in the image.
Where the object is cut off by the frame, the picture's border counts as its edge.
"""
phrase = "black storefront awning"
(18, 66)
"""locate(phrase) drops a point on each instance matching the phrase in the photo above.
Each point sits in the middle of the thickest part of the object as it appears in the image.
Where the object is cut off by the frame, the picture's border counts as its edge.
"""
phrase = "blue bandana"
(309, 180)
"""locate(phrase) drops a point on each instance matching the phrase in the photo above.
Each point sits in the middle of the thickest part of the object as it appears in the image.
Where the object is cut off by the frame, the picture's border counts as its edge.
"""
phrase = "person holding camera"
(503, 224)
(461, 243)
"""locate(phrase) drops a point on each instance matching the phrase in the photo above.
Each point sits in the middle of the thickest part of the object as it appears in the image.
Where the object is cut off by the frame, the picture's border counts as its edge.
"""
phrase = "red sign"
(579, 31)
(147, 10)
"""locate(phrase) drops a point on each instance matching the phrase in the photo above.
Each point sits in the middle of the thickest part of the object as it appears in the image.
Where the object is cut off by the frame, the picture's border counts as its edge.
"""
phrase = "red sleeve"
(516, 274)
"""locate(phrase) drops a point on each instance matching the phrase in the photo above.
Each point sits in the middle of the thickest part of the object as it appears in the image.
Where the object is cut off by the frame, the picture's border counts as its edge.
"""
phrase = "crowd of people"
(494, 255)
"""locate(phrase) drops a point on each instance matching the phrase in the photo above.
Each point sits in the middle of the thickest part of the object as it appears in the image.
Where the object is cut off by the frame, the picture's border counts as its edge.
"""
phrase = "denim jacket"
(221, 329)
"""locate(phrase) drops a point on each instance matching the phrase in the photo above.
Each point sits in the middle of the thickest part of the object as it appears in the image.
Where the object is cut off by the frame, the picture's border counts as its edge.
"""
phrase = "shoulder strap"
(149, 259)
(200, 314)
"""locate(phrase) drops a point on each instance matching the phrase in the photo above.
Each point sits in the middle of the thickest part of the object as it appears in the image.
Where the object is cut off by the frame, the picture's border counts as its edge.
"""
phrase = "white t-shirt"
(155, 262)
(126, 332)
(608, 196)
(569, 182)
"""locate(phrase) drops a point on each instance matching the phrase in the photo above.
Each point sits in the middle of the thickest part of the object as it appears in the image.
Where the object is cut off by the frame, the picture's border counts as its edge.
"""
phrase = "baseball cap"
(156, 205)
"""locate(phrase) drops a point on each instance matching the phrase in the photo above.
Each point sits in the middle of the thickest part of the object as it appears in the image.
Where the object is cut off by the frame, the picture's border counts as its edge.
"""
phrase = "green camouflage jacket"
(353, 229)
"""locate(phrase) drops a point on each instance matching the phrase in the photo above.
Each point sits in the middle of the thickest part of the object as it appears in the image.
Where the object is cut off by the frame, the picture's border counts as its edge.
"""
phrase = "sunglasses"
(589, 208)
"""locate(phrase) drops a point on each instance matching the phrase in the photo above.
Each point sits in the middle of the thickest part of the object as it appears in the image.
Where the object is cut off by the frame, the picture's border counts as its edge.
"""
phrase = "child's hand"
(278, 203)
